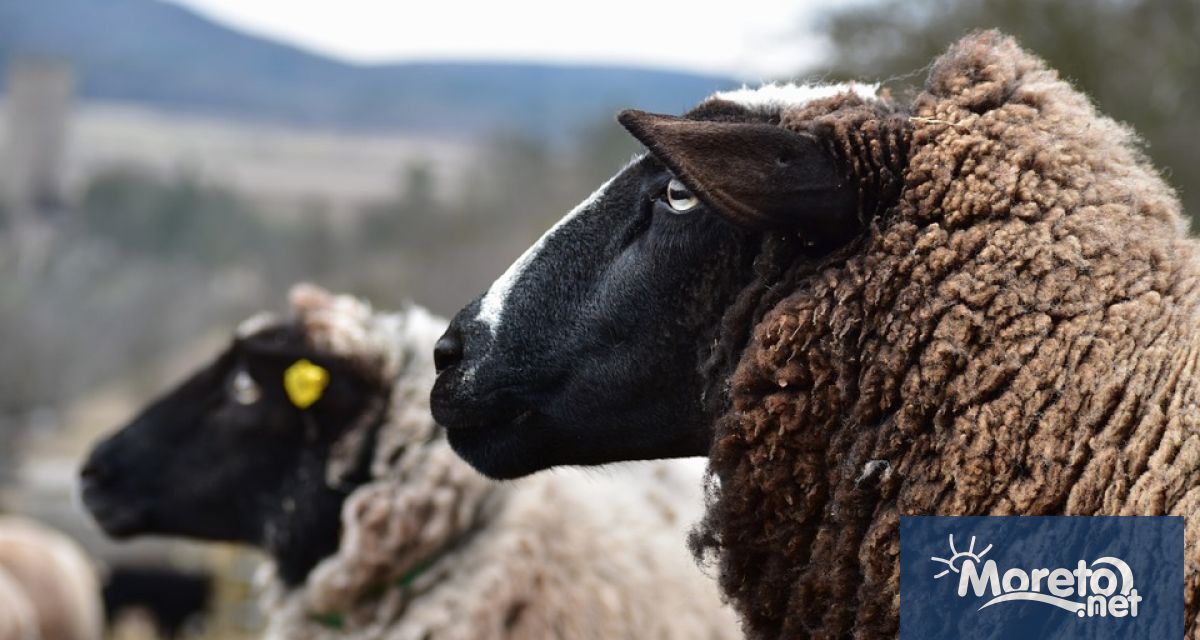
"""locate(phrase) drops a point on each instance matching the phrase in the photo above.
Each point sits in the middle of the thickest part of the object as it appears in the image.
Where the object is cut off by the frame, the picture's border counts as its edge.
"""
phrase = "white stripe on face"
(491, 308)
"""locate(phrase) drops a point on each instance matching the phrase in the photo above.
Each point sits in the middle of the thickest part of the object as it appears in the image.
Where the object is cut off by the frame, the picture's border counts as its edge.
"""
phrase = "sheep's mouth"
(487, 424)
(118, 519)
(502, 431)
(500, 421)
(502, 408)
(502, 449)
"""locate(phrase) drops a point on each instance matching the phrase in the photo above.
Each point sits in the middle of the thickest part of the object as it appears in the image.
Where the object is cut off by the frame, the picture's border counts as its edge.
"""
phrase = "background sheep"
(172, 599)
(428, 547)
(44, 573)
(982, 305)
(18, 618)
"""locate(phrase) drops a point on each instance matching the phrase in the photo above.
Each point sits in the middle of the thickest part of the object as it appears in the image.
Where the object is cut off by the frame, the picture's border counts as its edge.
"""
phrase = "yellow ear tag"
(305, 382)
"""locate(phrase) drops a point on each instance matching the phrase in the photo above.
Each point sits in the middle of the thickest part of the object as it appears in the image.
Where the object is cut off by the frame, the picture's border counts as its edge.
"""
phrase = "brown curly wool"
(1016, 333)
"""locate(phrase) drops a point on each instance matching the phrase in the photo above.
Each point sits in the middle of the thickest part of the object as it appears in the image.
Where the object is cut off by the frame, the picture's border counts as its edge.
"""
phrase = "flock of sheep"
(980, 303)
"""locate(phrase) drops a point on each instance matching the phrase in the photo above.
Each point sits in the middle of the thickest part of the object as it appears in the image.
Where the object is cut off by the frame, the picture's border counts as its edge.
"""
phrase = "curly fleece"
(48, 587)
(431, 549)
(18, 617)
(1015, 333)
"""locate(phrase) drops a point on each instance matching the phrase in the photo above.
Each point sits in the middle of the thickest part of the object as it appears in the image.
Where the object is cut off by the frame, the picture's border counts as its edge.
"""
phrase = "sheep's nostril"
(94, 475)
(448, 351)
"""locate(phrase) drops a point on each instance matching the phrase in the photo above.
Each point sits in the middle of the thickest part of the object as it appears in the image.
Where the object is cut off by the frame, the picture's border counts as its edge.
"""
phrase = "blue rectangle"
(1027, 577)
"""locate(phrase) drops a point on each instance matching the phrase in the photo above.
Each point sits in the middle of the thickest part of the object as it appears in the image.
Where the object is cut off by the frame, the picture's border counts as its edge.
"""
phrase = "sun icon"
(957, 557)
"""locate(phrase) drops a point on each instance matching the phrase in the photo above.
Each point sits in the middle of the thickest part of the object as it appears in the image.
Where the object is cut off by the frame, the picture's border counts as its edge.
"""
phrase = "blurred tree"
(408, 219)
(176, 217)
(419, 186)
(1138, 59)
(316, 246)
(145, 268)
(521, 177)
(603, 148)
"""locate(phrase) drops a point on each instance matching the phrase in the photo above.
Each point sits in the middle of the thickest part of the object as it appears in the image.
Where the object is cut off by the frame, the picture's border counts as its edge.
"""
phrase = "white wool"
(255, 324)
(776, 98)
(57, 578)
(567, 553)
(18, 616)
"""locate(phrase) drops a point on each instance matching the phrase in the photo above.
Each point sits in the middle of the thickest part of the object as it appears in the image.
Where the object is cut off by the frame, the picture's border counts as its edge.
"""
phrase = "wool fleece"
(1015, 332)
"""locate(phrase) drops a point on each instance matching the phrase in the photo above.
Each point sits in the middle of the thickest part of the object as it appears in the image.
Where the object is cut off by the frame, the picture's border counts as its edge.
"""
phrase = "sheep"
(18, 617)
(980, 303)
(326, 411)
(48, 586)
(173, 599)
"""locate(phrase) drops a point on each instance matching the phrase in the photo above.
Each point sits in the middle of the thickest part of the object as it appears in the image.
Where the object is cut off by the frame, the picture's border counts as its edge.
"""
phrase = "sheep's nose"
(100, 468)
(95, 473)
(448, 351)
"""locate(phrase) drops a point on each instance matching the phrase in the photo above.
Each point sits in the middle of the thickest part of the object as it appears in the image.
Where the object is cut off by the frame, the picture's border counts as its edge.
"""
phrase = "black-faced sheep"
(985, 303)
(328, 410)
(48, 586)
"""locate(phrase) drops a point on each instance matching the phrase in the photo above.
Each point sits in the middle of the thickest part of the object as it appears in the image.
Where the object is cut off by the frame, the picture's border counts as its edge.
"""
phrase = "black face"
(551, 365)
(606, 340)
(227, 456)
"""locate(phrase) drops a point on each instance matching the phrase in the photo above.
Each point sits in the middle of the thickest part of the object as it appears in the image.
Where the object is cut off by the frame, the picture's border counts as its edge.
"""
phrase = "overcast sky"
(750, 39)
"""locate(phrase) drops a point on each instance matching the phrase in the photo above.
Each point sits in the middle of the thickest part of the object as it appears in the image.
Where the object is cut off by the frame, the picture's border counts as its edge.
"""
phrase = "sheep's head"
(241, 451)
(597, 345)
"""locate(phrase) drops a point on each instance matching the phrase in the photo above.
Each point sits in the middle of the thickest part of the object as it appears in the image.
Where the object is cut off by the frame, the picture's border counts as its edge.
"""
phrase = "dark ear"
(758, 175)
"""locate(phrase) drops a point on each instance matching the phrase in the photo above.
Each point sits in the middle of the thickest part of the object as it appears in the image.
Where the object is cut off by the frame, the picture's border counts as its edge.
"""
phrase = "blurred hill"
(180, 60)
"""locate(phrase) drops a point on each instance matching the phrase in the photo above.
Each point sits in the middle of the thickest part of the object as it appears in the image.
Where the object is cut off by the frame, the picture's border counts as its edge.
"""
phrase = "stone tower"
(38, 96)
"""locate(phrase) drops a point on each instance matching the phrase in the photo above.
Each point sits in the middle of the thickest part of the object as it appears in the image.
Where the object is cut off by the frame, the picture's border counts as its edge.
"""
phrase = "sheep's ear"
(757, 175)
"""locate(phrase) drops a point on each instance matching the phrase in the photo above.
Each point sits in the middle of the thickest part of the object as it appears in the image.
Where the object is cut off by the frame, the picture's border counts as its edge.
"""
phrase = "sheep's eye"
(243, 389)
(680, 198)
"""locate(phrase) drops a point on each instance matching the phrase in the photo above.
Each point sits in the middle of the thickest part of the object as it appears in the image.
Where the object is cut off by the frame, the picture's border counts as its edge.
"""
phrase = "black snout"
(104, 490)
(462, 399)
(448, 351)
(97, 473)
